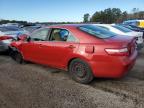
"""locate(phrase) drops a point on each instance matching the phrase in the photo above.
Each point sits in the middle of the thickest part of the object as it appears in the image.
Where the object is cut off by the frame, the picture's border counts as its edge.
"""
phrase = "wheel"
(11, 53)
(18, 58)
(80, 71)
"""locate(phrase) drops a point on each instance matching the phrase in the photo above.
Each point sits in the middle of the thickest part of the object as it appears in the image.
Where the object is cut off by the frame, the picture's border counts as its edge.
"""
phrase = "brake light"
(118, 52)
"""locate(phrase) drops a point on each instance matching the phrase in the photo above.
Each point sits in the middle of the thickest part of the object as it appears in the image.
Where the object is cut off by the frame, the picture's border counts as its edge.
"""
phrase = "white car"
(13, 32)
(125, 32)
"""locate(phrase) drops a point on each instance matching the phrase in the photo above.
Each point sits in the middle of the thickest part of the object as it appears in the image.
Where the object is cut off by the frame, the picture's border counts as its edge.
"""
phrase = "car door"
(32, 49)
(60, 47)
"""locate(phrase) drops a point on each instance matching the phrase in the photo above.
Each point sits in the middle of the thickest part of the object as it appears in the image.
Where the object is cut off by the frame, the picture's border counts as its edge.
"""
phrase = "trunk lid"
(123, 42)
(119, 39)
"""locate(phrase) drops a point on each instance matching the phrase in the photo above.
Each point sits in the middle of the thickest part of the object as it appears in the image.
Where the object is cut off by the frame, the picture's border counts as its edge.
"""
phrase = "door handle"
(71, 47)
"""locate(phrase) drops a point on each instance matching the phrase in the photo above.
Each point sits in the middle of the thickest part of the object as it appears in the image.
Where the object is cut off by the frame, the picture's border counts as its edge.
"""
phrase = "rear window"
(121, 28)
(97, 31)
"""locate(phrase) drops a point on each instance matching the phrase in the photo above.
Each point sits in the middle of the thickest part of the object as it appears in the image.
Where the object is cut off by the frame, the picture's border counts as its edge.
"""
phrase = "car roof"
(31, 26)
(66, 25)
(106, 25)
(110, 26)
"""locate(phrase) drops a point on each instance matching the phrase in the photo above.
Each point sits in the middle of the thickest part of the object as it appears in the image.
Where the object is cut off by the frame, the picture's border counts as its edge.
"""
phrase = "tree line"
(113, 15)
(3, 21)
(108, 16)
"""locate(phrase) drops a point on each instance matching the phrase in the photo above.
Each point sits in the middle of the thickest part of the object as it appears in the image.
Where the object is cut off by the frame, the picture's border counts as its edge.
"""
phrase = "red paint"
(22, 37)
(5, 37)
(89, 48)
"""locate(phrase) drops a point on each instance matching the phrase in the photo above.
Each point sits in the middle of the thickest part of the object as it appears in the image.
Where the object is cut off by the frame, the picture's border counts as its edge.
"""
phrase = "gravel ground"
(35, 86)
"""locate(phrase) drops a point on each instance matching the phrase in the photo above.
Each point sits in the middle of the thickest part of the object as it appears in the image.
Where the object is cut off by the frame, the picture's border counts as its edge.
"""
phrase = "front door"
(32, 50)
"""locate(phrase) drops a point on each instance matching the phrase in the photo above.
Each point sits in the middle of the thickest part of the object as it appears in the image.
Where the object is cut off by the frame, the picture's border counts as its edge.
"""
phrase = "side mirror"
(22, 37)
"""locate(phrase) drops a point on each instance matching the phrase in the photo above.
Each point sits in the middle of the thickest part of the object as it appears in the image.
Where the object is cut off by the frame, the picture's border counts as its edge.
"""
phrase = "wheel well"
(13, 48)
(70, 62)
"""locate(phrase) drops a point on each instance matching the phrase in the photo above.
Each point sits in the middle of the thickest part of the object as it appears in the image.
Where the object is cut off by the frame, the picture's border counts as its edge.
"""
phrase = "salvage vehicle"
(9, 31)
(123, 31)
(86, 51)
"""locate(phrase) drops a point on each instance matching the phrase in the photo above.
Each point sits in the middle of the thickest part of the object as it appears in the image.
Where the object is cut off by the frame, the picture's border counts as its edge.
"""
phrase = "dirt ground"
(35, 86)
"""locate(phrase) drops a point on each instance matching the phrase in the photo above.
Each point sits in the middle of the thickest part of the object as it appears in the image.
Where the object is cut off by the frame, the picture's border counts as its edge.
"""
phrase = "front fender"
(16, 45)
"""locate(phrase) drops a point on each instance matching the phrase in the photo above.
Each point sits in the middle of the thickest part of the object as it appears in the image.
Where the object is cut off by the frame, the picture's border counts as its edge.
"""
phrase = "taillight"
(118, 52)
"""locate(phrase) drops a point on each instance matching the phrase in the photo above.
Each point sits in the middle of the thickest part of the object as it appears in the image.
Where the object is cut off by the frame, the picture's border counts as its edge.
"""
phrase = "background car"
(86, 51)
(11, 24)
(138, 23)
(118, 29)
(30, 29)
(10, 31)
(134, 28)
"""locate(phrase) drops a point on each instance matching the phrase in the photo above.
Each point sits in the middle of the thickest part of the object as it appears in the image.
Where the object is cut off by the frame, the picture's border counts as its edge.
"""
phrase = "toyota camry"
(84, 50)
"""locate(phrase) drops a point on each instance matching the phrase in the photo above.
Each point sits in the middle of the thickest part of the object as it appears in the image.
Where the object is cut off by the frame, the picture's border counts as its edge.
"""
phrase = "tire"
(80, 71)
(18, 58)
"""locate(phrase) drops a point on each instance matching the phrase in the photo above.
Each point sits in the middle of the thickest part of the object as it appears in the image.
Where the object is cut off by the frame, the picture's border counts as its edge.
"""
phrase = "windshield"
(121, 28)
(31, 29)
(97, 31)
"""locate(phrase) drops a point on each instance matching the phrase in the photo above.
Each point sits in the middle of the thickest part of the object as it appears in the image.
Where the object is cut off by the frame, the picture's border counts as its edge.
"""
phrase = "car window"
(71, 38)
(121, 28)
(104, 27)
(135, 23)
(97, 31)
(31, 28)
(62, 35)
(40, 35)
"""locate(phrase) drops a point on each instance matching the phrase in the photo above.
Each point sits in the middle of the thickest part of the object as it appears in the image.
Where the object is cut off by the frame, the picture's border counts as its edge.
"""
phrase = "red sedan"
(86, 51)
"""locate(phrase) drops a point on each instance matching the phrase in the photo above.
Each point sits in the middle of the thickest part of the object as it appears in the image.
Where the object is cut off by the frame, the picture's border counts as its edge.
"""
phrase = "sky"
(60, 10)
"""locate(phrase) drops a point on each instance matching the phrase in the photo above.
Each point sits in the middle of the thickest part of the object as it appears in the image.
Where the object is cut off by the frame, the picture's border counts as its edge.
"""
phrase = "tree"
(135, 10)
(124, 16)
(86, 17)
(2, 21)
(135, 13)
(107, 16)
(115, 15)
(141, 15)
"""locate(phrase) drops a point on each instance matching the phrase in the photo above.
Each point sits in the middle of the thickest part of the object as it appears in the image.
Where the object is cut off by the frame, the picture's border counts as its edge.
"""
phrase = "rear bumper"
(116, 68)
